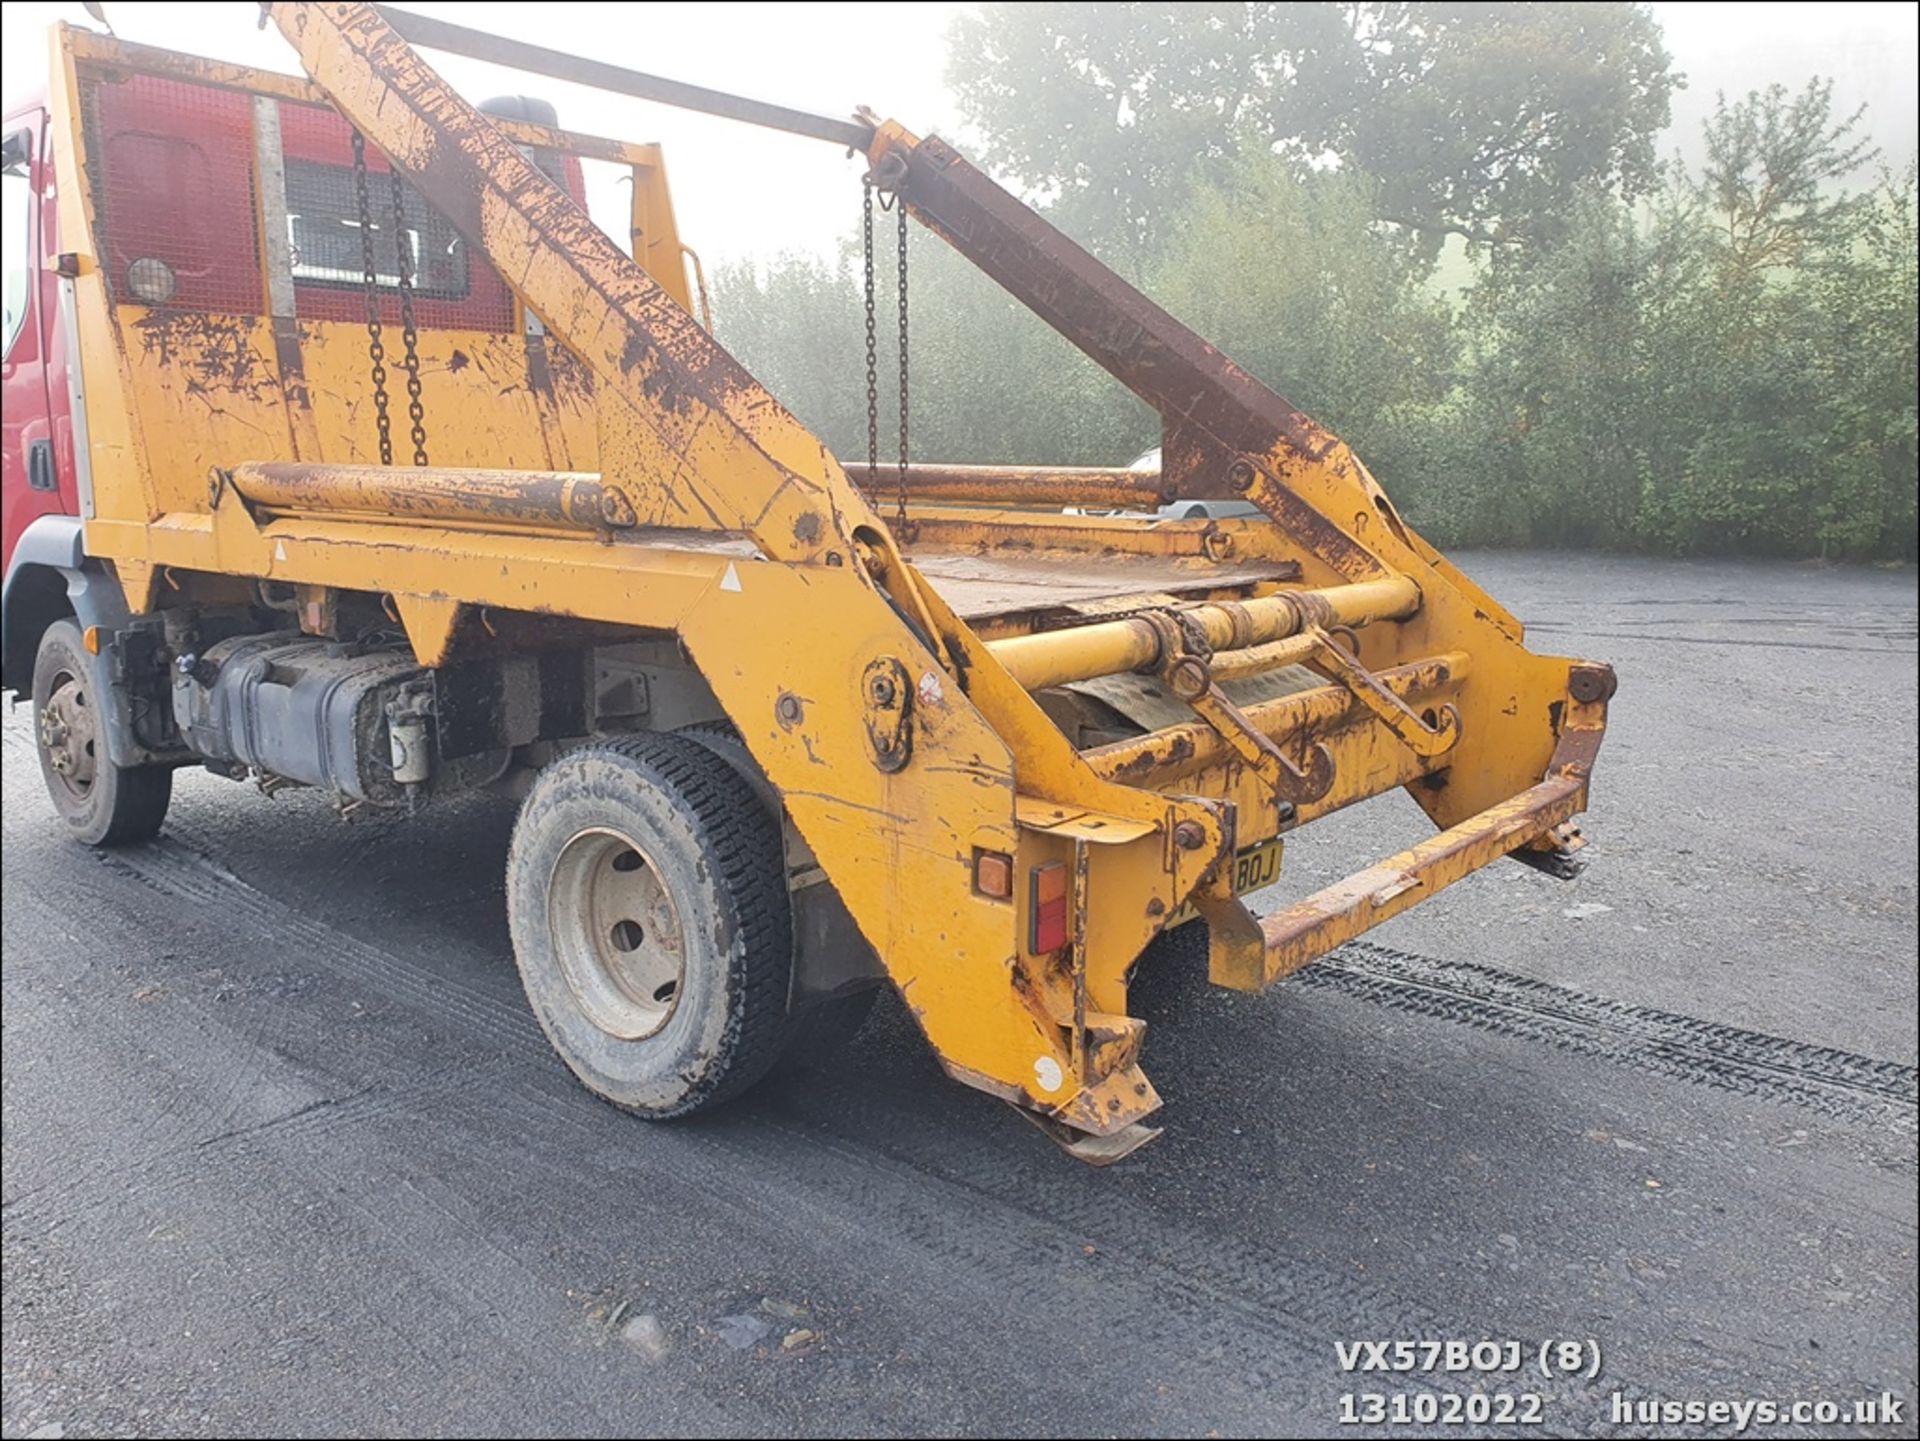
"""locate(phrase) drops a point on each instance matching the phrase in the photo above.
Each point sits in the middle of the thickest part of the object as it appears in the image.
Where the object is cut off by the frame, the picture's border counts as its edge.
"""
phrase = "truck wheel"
(816, 1032)
(101, 803)
(647, 898)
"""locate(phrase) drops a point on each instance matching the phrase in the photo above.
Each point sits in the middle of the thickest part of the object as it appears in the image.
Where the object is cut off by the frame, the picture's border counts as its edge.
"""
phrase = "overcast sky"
(742, 191)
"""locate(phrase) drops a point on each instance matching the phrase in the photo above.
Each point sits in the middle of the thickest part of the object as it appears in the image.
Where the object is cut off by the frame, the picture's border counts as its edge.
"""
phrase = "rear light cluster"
(1047, 915)
(1048, 928)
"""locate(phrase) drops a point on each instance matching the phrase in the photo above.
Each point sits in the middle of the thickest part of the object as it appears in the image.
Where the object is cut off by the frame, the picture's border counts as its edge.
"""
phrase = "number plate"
(1253, 870)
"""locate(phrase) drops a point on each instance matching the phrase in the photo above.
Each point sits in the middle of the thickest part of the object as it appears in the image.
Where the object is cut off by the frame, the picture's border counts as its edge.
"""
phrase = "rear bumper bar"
(1311, 927)
(1250, 955)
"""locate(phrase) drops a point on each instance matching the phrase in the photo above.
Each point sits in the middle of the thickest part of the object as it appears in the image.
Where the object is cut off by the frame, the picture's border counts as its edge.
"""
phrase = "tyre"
(647, 899)
(815, 1033)
(100, 803)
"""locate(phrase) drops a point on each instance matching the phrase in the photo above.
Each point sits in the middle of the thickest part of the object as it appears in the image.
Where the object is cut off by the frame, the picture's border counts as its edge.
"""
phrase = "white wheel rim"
(68, 735)
(617, 934)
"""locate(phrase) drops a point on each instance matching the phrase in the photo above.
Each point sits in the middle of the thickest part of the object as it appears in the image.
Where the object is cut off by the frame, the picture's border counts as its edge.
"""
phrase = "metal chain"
(873, 352)
(410, 337)
(900, 516)
(376, 347)
(901, 523)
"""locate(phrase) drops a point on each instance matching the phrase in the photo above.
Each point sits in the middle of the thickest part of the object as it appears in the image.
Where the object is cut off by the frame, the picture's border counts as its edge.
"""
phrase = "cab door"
(30, 480)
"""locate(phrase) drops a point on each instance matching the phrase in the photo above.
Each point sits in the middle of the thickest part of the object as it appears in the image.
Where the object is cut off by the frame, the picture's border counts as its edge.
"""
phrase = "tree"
(1773, 162)
(1296, 282)
(796, 324)
(1730, 370)
(1866, 290)
(1558, 416)
(1724, 365)
(991, 382)
(1478, 120)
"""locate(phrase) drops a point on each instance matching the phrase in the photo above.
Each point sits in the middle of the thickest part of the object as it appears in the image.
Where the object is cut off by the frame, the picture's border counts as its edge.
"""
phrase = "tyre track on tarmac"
(1832, 1083)
(1238, 1323)
(966, 1238)
(1835, 1083)
(1223, 1305)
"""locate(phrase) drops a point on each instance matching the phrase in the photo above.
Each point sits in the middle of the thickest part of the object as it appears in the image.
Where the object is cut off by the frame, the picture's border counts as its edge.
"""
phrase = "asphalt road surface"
(284, 1151)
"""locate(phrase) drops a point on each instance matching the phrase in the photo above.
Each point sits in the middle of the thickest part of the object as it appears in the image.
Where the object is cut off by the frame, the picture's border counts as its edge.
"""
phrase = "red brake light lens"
(1047, 915)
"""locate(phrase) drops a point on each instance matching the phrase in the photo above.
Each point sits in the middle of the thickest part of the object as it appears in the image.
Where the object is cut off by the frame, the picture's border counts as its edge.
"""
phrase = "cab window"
(16, 219)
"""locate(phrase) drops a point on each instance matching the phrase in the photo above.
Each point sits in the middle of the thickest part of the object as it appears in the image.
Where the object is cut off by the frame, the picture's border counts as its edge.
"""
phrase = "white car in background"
(1149, 460)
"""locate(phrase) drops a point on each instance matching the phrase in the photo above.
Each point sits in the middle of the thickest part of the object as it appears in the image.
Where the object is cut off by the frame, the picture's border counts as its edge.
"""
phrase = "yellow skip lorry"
(344, 450)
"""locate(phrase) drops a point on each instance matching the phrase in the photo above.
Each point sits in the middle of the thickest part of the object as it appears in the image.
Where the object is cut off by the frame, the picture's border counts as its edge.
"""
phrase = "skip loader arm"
(1520, 740)
(911, 752)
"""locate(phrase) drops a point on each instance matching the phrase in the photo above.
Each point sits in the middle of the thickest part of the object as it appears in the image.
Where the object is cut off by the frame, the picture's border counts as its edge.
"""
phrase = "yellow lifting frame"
(1435, 690)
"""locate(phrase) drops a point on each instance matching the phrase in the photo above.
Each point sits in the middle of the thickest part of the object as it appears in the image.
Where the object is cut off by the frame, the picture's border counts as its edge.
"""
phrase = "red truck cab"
(37, 477)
